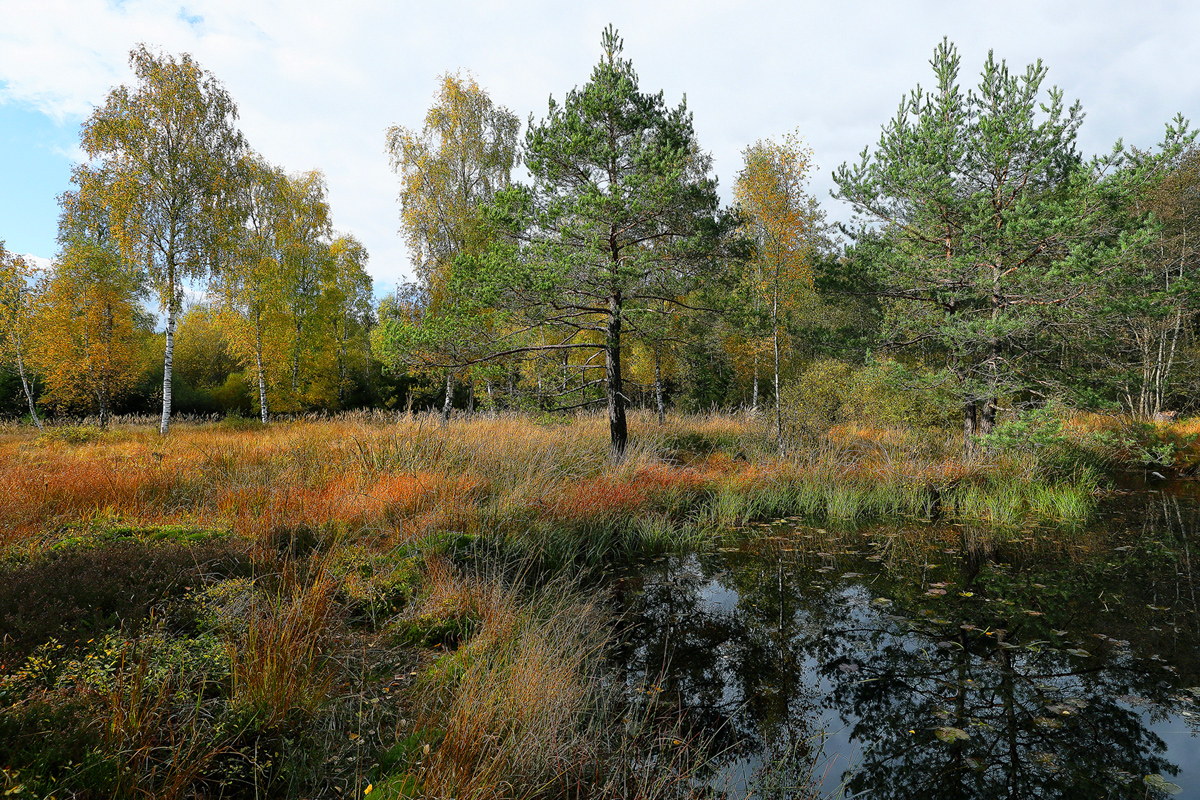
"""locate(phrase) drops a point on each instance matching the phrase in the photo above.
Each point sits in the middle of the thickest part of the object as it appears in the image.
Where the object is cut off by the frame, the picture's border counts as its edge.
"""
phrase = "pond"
(937, 661)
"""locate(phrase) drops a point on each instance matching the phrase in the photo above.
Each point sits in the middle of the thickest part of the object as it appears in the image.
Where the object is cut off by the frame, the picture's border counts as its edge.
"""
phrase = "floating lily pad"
(949, 734)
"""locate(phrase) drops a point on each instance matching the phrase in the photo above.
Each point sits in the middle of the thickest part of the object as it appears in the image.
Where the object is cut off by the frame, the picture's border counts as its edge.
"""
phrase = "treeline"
(990, 266)
(173, 198)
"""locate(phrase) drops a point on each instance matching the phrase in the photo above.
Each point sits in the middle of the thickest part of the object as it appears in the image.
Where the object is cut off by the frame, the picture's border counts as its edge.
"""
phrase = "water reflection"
(943, 662)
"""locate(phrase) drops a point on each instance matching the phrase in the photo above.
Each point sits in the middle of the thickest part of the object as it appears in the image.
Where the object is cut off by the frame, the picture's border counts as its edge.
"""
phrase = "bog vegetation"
(371, 557)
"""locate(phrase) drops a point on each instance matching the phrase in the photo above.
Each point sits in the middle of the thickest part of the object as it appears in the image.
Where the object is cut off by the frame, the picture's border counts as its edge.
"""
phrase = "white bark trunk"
(775, 338)
(168, 363)
(449, 401)
(258, 365)
(25, 385)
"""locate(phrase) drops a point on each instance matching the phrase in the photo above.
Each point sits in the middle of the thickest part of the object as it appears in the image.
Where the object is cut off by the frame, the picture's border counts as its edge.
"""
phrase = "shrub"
(830, 392)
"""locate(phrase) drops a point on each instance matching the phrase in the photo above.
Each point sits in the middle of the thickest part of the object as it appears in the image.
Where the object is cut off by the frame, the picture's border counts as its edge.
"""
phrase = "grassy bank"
(321, 608)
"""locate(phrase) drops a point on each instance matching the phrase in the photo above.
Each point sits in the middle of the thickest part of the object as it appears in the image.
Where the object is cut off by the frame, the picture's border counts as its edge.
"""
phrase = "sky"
(318, 83)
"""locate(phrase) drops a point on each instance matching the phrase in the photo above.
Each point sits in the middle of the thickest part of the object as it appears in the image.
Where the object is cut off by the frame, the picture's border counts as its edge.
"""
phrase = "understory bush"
(882, 393)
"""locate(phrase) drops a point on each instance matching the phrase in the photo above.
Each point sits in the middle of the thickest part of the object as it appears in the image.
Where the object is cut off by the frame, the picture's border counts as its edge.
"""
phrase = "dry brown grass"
(522, 709)
(398, 480)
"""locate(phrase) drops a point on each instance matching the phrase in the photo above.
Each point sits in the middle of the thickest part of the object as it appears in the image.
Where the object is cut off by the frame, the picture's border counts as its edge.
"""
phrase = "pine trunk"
(617, 427)
(970, 412)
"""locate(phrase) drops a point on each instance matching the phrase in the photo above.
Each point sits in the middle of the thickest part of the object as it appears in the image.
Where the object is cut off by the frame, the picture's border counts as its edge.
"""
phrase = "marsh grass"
(381, 598)
(399, 480)
(522, 709)
(280, 667)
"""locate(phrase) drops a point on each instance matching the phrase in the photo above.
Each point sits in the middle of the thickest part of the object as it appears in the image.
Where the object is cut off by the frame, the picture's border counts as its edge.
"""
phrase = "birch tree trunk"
(448, 403)
(296, 365)
(258, 365)
(775, 337)
(168, 363)
(25, 385)
(754, 393)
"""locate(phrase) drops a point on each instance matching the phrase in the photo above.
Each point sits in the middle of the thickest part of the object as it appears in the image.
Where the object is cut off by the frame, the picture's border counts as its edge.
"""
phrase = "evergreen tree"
(622, 216)
(984, 224)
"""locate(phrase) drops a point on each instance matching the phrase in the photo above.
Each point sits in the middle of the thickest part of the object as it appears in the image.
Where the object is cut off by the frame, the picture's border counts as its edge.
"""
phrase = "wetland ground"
(382, 605)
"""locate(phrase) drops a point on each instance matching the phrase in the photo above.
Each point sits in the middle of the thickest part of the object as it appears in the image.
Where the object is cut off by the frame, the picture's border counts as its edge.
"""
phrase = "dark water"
(938, 661)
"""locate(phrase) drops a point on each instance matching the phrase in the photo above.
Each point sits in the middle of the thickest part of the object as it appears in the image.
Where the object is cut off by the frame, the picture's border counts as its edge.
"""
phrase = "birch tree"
(463, 155)
(1155, 298)
(305, 266)
(249, 283)
(16, 302)
(349, 297)
(784, 222)
(167, 149)
(90, 325)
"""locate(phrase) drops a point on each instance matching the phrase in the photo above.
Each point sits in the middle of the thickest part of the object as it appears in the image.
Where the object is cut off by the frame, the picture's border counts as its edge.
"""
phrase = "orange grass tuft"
(597, 498)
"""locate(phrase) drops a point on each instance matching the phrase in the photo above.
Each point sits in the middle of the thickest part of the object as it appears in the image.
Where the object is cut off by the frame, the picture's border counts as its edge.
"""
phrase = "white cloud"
(317, 83)
(38, 263)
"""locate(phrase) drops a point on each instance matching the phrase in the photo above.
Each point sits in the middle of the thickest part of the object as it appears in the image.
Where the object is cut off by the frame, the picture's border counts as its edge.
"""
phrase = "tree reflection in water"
(998, 667)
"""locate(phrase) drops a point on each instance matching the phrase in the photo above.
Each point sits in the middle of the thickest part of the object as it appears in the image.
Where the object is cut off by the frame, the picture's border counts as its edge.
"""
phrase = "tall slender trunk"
(448, 403)
(470, 398)
(340, 334)
(491, 399)
(102, 387)
(618, 430)
(775, 337)
(94, 380)
(754, 393)
(658, 388)
(174, 300)
(25, 385)
(258, 366)
(296, 365)
(168, 364)
(102, 401)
